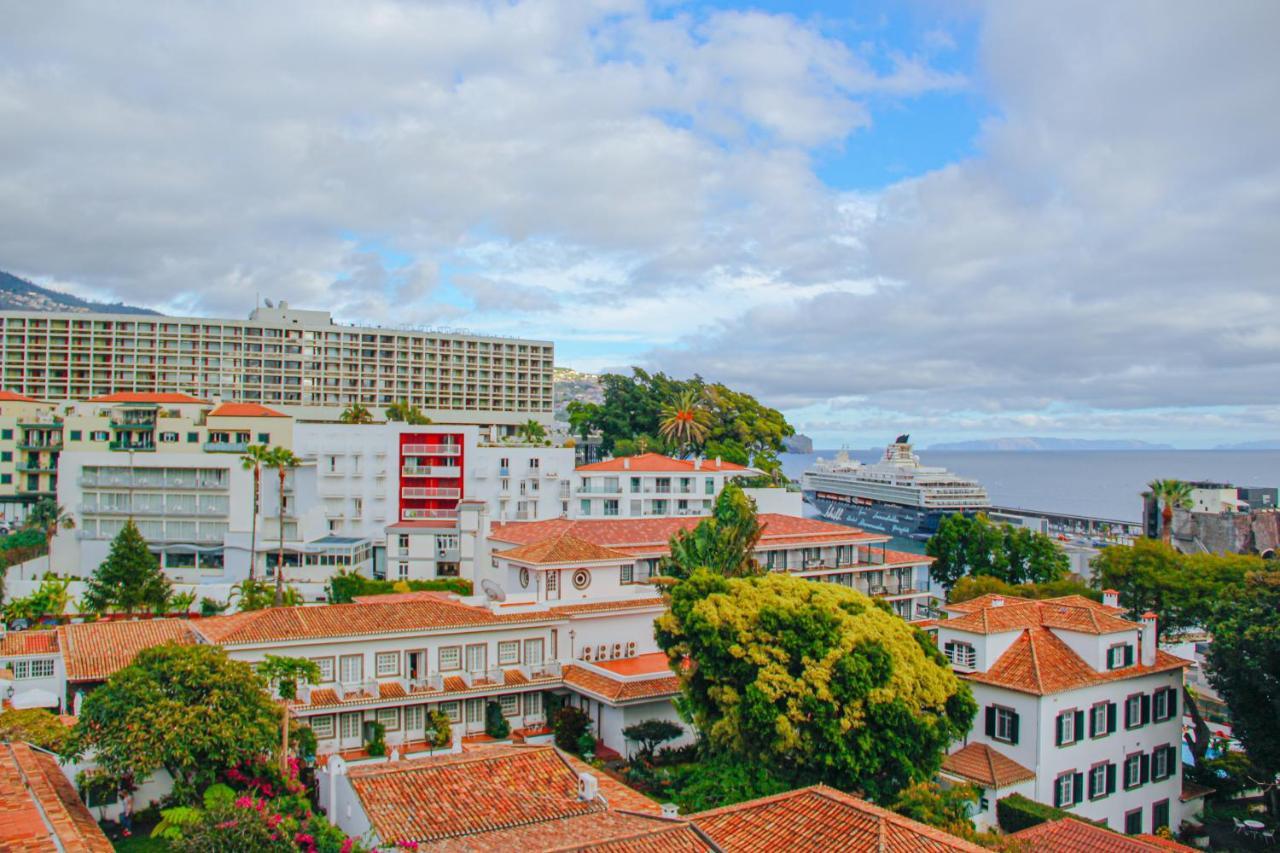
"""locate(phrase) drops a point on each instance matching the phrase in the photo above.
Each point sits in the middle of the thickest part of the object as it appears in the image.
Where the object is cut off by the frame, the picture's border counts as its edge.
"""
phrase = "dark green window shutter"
(1111, 778)
(1079, 725)
(991, 721)
(1057, 731)
(1057, 795)
(1013, 730)
(1077, 788)
(1145, 760)
(1146, 708)
(1111, 717)
(1128, 655)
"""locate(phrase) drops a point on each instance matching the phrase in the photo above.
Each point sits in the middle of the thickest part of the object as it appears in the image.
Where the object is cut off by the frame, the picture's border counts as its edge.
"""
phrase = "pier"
(1111, 529)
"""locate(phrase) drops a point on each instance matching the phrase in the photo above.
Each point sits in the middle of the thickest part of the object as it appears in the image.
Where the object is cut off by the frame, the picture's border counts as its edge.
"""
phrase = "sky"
(955, 219)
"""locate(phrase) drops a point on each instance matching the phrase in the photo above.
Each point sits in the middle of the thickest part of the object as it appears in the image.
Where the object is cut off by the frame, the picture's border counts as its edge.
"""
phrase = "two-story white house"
(1077, 706)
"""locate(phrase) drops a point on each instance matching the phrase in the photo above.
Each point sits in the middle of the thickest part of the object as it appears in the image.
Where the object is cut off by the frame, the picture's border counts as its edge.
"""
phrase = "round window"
(524, 578)
(582, 578)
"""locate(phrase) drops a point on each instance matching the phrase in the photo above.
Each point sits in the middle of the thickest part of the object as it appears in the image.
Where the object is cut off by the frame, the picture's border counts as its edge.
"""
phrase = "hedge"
(1016, 812)
(345, 586)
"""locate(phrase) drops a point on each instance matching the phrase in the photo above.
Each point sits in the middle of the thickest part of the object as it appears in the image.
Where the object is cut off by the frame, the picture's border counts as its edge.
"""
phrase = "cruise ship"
(895, 495)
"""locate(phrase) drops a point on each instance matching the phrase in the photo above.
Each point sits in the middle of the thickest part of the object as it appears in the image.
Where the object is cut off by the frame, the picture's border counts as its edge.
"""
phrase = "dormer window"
(1120, 655)
(961, 654)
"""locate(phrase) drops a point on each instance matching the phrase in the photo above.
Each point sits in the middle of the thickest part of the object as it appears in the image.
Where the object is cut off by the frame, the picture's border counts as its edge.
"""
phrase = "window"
(1159, 815)
(193, 437)
(264, 438)
(352, 667)
(322, 727)
(1137, 770)
(508, 652)
(75, 435)
(1070, 727)
(533, 651)
(477, 657)
(404, 541)
(1120, 655)
(1137, 711)
(627, 573)
(6, 434)
(1102, 719)
(402, 571)
(585, 506)
(552, 581)
(387, 664)
(475, 710)
(326, 668)
(510, 704)
(390, 718)
(169, 437)
(98, 435)
(582, 578)
(350, 726)
(1002, 724)
(452, 710)
(1164, 704)
(32, 669)
(6, 478)
(450, 658)
(532, 704)
(414, 717)
(960, 654)
(1133, 822)
(1102, 780)
(1164, 762)
(1068, 789)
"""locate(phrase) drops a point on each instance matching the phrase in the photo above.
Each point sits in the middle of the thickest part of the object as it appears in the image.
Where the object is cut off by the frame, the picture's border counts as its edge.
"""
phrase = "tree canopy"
(972, 545)
(1181, 589)
(718, 421)
(724, 543)
(406, 412)
(130, 578)
(813, 682)
(34, 725)
(971, 586)
(188, 709)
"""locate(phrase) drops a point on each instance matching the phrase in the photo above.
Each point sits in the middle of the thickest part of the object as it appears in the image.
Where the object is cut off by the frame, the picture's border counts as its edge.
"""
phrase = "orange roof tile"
(1068, 835)
(244, 410)
(982, 765)
(656, 462)
(93, 651)
(985, 600)
(651, 663)
(1052, 613)
(19, 643)
(665, 836)
(616, 690)
(1039, 662)
(146, 397)
(560, 549)
(39, 809)
(7, 396)
(820, 818)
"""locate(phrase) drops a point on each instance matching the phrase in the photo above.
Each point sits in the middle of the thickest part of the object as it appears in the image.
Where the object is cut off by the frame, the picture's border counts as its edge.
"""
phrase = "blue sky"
(958, 220)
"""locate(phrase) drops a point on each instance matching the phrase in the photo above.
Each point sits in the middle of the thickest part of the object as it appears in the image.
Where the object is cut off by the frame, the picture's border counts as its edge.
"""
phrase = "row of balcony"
(414, 492)
(427, 514)
(432, 450)
(492, 676)
(431, 471)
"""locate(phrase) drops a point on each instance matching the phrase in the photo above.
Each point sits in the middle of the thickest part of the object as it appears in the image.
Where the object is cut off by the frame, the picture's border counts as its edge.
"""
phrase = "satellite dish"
(492, 591)
(268, 303)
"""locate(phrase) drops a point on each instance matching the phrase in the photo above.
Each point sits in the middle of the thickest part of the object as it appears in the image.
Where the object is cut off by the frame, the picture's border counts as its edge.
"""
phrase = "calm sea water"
(1105, 483)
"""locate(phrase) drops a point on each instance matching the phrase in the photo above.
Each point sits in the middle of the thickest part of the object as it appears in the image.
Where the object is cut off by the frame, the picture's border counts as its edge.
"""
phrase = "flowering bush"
(282, 825)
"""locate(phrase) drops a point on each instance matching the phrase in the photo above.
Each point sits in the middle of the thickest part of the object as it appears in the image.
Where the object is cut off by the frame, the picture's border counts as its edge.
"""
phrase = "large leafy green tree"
(1244, 667)
(1181, 589)
(813, 682)
(188, 709)
(972, 545)
(284, 674)
(724, 543)
(130, 578)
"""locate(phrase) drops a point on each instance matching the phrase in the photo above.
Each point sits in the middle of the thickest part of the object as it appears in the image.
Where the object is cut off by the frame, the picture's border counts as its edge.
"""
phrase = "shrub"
(586, 744)
(217, 795)
(650, 733)
(376, 745)
(495, 724)
(211, 607)
(1015, 812)
(570, 725)
(441, 730)
(345, 586)
(34, 725)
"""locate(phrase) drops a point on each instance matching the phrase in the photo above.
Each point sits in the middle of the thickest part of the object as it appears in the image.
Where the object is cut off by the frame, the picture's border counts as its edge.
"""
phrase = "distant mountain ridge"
(1264, 444)
(1034, 443)
(18, 294)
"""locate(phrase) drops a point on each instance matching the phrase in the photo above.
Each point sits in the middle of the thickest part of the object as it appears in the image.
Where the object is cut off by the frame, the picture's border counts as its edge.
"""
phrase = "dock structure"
(1070, 524)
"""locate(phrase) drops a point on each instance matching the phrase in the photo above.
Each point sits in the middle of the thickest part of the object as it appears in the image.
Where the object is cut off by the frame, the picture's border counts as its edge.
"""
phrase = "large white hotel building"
(280, 356)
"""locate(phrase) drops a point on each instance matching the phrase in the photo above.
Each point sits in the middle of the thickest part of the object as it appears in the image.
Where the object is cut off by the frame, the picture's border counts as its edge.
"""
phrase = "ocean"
(1105, 483)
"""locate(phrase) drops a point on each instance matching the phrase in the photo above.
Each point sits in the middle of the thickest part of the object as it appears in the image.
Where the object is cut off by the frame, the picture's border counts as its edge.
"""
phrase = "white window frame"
(1065, 793)
(326, 667)
(342, 669)
(1099, 708)
(1067, 727)
(1134, 761)
(415, 717)
(529, 646)
(1133, 711)
(452, 710)
(322, 727)
(508, 652)
(961, 653)
(390, 718)
(449, 659)
(1098, 791)
(1003, 731)
(386, 664)
(510, 704)
(532, 704)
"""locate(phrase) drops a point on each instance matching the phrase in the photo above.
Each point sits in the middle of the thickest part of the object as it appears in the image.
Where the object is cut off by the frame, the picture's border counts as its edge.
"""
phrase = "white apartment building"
(651, 485)
(1078, 709)
(282, 357)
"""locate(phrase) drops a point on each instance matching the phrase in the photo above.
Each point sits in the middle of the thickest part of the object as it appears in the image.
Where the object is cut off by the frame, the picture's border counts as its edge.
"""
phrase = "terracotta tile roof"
(39, 809)
(603, 606)
(820, 818)
(244, 410)
(985, 600)
(1192, 791)
(7, 396)
(92, 651)
(656, 462)
(1068, 835)
(560, 549)
(665, 836)
(1040, 663)
(146, 397)
(982, 765)
(18, 643)
(557, 611)
(1050, 613)
(650, 663)
(651, 536)
(499, 797)
(614, 690)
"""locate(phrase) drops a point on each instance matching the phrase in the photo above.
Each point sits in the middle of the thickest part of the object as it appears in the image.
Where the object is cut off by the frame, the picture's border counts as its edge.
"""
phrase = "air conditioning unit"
(586, 653)
(602, 652)
(588, 786)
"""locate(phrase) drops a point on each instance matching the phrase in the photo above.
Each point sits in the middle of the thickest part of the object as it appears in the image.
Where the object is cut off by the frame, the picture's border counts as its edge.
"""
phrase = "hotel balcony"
(449, 471)
(428, 514)
(432, 450)
(412, 492)
(226, 446)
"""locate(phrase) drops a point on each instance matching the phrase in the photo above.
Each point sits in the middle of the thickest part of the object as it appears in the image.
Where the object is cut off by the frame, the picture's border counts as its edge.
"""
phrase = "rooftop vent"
(997, 601)
(669, 810)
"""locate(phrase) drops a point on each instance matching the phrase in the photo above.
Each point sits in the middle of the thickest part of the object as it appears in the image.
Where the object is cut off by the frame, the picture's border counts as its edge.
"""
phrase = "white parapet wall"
(778, 501)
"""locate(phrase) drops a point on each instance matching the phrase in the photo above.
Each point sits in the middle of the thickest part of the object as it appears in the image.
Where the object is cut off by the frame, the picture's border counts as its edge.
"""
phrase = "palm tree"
(49, 517)
(356, 413)
(1170, 493)
(685, 422)
(283, 460)
(405, 412)
(253, 459)
(532, 431)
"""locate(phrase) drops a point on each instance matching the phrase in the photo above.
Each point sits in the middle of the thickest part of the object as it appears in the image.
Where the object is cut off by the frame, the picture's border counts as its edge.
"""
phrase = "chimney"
(997, 601)
(588, 786)
(626, 463)
(670, 811)
(697, 463)
(1111, 598)
(717, 462)
(1148, 642)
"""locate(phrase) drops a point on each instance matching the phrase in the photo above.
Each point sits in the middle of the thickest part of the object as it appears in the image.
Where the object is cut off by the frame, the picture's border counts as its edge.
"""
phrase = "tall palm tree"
(356, 413)
(254, 457)
(49, 517)
(685, 421)
(1169, 494)
(283, 460)
(405, 412)
(532, 431)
